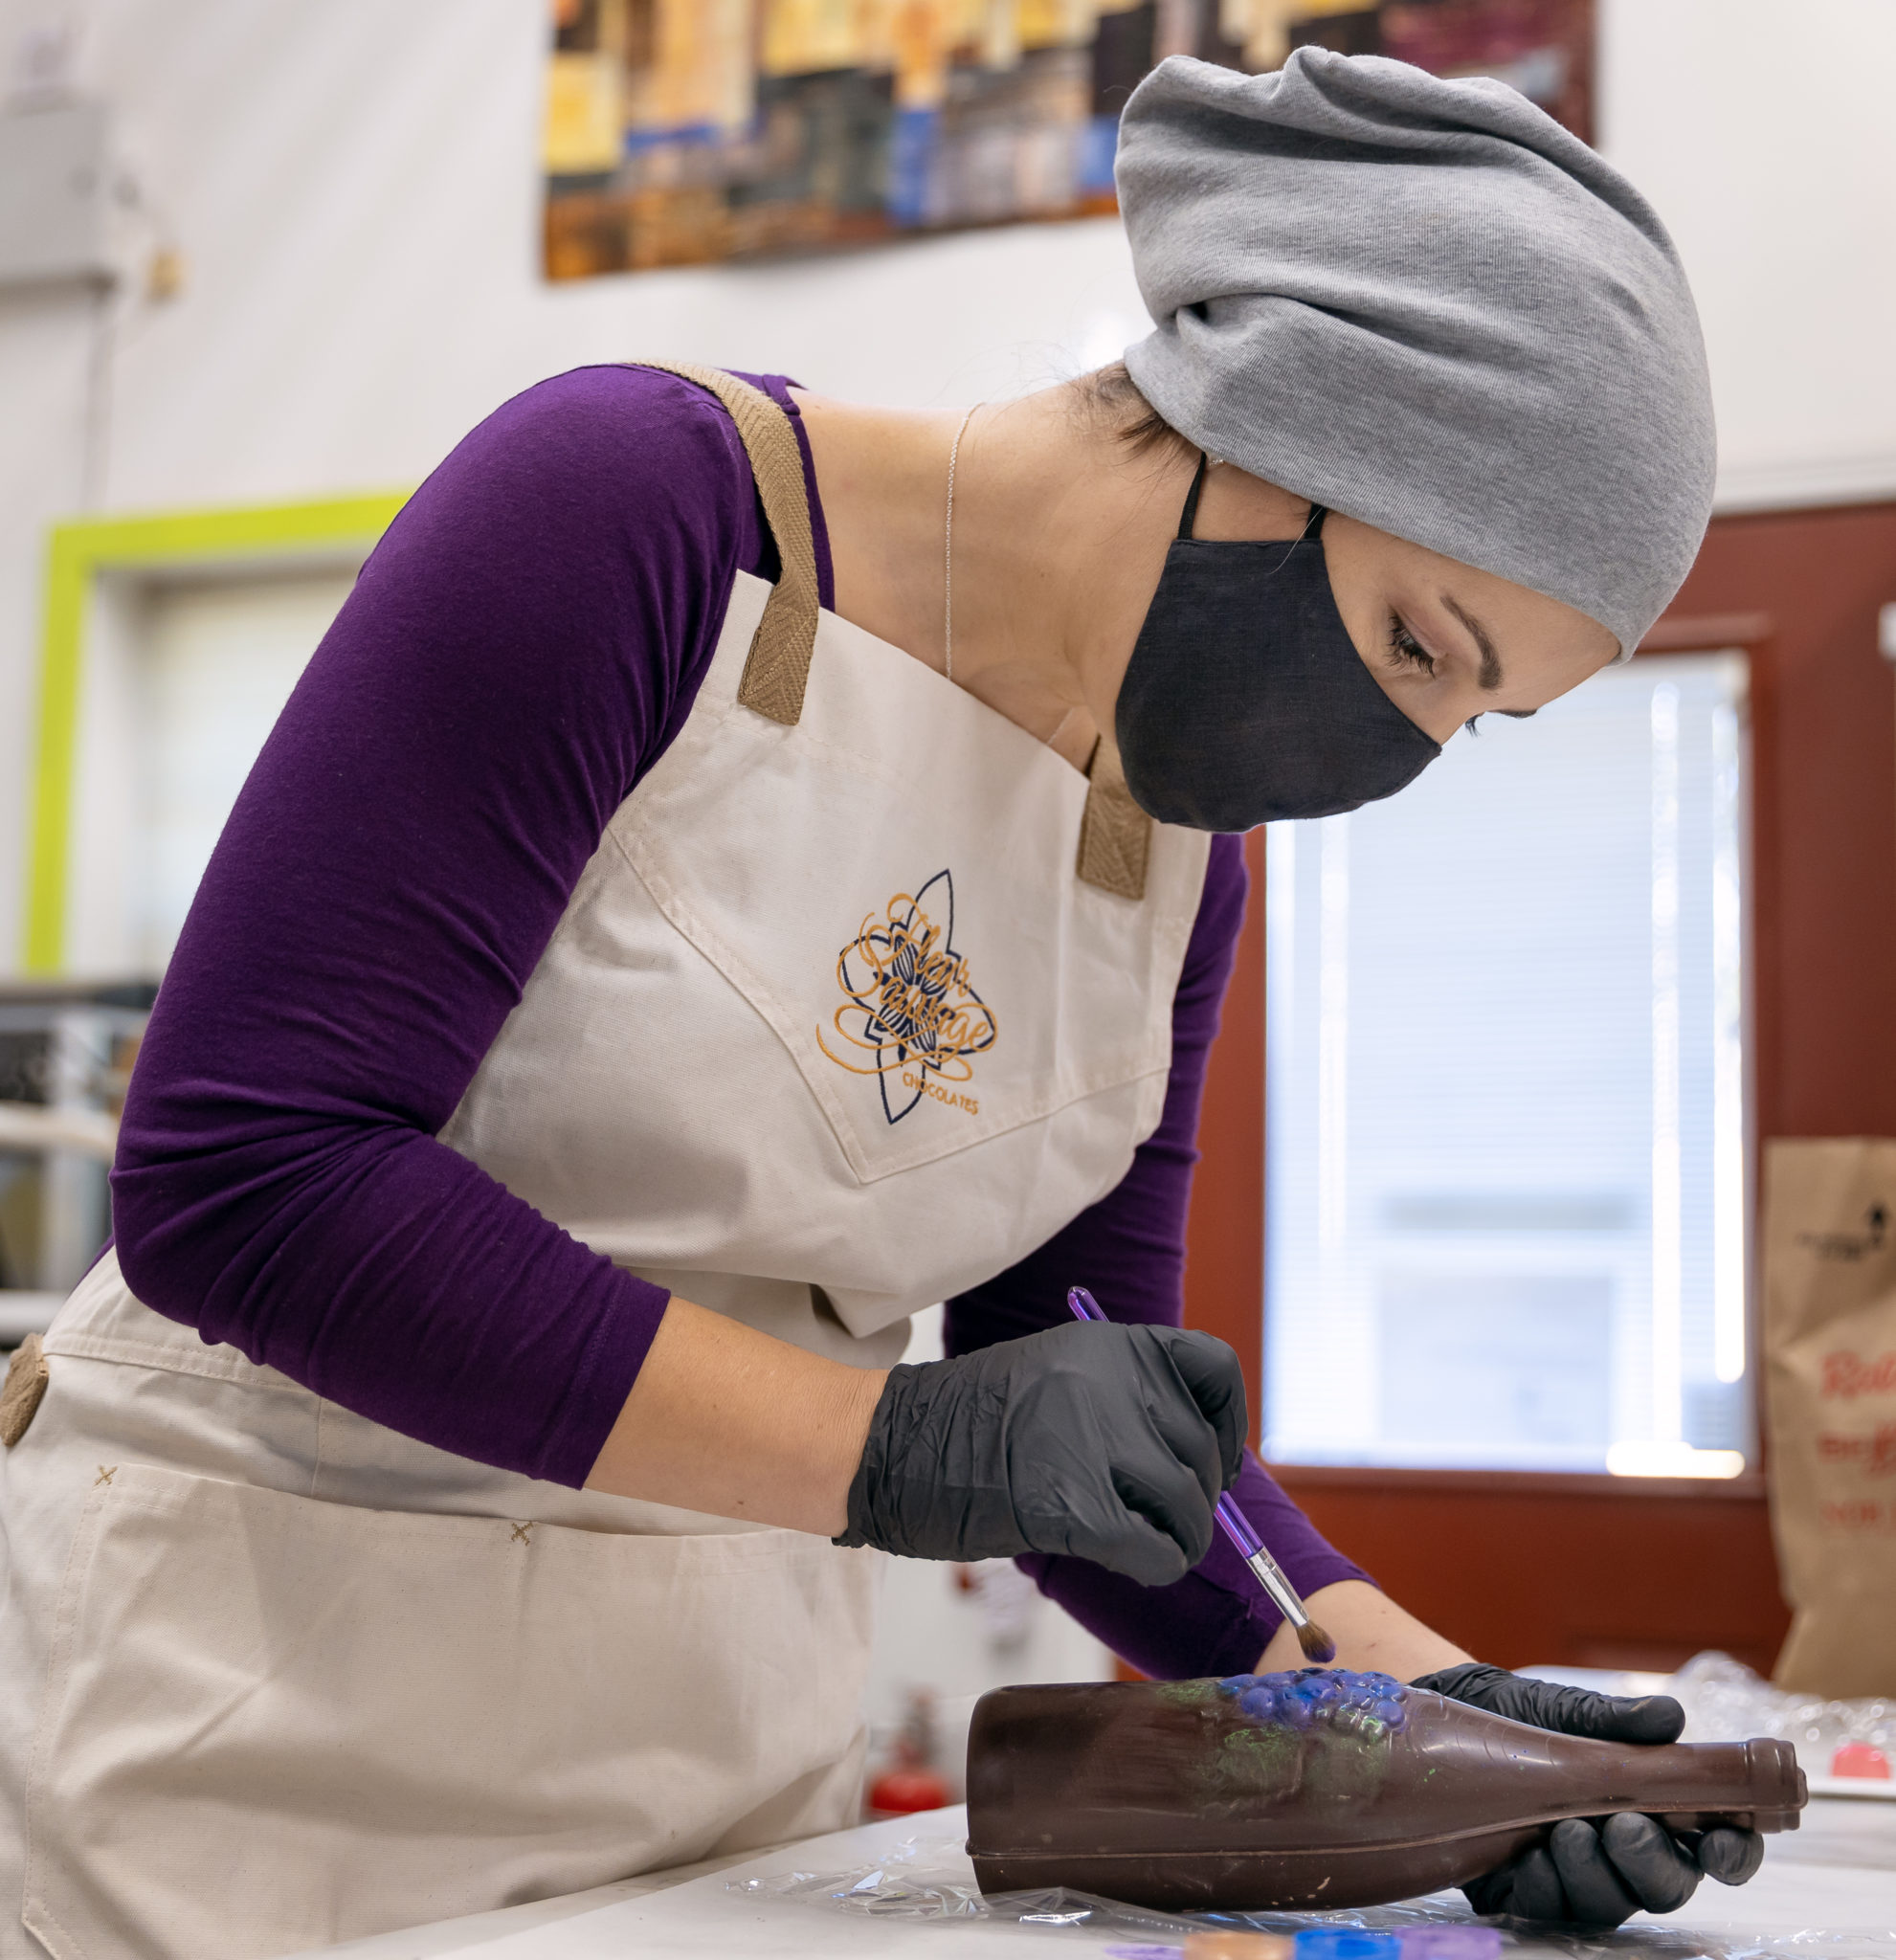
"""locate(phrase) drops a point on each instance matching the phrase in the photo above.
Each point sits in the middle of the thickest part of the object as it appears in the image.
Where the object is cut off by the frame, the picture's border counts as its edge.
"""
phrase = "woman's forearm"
(1372, 1634)
(728, 1420)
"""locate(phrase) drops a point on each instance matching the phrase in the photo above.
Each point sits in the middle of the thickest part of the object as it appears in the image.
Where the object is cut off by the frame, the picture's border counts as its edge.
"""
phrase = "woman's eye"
(1405, 650)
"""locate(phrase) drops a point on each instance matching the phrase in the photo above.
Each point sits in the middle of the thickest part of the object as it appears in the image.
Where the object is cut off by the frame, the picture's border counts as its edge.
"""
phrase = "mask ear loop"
(1190, 515)
(1313, 524)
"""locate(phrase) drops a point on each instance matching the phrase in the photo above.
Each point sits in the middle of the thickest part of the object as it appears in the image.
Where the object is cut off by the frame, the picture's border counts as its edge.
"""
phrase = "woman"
(704, 903)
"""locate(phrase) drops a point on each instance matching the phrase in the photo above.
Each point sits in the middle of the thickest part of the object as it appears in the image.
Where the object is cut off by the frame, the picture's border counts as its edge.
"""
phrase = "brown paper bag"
(1830, 1373)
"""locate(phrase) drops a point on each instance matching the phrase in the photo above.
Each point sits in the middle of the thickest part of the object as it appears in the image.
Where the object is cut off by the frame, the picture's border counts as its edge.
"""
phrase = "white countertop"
(1836, 1876)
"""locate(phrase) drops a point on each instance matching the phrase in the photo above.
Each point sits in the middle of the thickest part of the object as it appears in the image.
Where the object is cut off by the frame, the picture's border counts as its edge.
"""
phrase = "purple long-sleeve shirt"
(521, 646)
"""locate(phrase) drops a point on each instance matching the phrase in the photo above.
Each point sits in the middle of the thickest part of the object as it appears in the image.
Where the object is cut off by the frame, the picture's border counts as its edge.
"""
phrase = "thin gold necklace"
(948, 552)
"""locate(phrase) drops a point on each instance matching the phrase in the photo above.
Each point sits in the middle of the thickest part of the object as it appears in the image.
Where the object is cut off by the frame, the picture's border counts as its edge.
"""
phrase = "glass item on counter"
(911, 1781)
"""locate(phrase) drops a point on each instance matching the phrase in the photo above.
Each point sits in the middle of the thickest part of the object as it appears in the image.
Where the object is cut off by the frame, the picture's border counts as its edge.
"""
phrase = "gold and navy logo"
(910, 1016)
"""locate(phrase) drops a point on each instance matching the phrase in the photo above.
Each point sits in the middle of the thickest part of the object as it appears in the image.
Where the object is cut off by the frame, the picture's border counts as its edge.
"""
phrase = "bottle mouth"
(1771, 1770)
(1773, 1759)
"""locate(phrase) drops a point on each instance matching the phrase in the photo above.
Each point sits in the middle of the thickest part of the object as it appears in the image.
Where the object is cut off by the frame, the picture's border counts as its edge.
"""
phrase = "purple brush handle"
(1237, 1526)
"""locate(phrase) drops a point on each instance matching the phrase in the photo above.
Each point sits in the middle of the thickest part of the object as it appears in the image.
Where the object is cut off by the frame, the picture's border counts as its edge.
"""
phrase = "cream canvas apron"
(832, 1026)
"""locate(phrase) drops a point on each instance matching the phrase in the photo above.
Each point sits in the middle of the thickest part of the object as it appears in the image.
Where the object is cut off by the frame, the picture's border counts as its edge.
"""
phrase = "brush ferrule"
(1282, 1593)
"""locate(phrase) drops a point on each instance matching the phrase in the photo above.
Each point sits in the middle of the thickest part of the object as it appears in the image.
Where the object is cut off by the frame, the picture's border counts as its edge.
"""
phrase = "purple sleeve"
(1128, 1250)
(520, 649)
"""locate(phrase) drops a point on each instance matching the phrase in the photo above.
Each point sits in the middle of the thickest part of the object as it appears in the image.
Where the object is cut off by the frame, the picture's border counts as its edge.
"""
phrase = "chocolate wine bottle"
(1318, 1788)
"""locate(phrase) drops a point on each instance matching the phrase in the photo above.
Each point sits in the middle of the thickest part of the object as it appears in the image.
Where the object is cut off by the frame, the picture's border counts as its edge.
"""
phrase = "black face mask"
(1246, 700)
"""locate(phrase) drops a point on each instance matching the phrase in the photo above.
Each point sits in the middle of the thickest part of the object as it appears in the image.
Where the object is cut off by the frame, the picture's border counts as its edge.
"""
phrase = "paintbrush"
(1317, 1645)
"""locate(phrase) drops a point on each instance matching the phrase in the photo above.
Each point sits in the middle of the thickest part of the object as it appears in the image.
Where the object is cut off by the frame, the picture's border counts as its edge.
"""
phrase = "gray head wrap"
(1427, 305)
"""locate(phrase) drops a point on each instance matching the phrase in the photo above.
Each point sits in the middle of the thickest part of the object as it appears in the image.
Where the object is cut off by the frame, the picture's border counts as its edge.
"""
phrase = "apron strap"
(777, 669)
(1115, 835)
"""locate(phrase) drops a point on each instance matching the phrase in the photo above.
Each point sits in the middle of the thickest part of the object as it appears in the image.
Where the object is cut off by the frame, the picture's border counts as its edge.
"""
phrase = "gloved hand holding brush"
(1102, 1441)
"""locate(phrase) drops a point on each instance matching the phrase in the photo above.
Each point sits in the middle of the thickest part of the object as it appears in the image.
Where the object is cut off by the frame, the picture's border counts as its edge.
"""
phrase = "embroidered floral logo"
(910, 1017)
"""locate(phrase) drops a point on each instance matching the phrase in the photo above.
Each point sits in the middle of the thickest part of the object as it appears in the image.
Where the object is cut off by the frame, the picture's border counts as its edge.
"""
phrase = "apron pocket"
(271, 1723)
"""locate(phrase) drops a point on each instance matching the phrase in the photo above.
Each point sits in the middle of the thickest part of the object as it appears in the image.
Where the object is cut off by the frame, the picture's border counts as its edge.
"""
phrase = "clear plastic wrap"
(1725, 1702)
(929, 1878)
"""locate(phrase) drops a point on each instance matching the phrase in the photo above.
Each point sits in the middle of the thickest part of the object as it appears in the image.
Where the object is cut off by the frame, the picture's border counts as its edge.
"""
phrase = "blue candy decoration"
(1364, 1704)
(1346, 1943)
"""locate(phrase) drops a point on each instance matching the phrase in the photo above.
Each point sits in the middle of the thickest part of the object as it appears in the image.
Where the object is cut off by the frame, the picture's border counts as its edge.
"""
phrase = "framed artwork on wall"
(682, 132)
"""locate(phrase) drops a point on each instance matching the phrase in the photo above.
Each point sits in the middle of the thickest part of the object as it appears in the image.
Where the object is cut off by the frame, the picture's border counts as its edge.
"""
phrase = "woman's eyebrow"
(1491, 676)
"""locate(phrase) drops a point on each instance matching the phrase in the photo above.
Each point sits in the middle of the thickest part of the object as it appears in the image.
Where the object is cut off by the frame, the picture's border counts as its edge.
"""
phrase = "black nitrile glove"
(1596, 1874)
(1098, 1440)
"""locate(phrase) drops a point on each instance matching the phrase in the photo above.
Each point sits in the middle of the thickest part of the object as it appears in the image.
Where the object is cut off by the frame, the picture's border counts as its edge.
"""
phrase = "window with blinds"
(1506, 1190)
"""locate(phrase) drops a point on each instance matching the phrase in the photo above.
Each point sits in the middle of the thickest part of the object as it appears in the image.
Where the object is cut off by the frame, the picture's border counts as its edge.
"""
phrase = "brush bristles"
(1318, 1647)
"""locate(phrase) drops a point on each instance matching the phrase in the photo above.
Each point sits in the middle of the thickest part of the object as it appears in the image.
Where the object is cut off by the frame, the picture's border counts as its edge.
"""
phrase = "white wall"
(1765, 135)
(353, 185)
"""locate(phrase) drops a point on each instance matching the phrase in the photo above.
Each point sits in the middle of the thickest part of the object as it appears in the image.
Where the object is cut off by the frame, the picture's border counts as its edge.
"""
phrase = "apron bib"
(864, 996)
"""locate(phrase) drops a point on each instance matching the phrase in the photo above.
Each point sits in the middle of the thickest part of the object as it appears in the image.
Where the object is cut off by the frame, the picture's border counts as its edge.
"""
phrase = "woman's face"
(1446, 642)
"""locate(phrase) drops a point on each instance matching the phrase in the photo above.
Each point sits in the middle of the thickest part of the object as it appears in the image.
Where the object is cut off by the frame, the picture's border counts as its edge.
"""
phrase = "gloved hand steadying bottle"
(1096, 1440)
(1596, 1875)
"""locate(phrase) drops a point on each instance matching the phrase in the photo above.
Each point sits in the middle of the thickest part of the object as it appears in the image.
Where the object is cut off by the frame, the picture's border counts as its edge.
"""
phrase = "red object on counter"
(901, 1792)
(1860, 1759)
